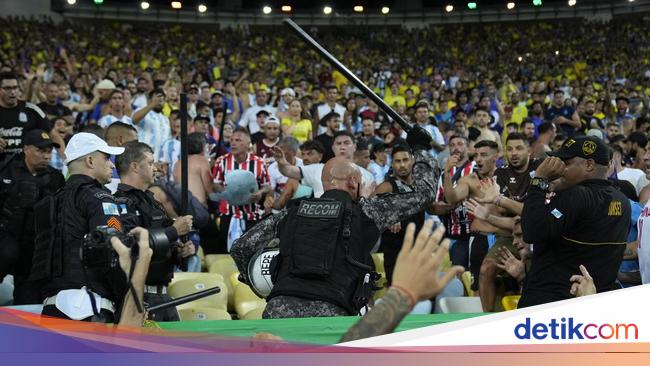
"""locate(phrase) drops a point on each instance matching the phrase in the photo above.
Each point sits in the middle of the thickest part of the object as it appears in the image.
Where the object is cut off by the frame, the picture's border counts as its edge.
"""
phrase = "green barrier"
(303, 330)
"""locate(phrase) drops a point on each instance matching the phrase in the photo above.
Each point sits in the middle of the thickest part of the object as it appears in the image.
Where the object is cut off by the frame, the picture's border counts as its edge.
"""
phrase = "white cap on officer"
(84, 143)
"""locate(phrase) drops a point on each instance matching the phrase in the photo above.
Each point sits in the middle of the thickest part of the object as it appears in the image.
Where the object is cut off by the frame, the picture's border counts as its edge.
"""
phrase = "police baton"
(185, 299)
(348, 74)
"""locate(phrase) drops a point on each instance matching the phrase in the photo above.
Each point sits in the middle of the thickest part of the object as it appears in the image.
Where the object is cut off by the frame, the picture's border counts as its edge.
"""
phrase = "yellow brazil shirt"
(302, 131)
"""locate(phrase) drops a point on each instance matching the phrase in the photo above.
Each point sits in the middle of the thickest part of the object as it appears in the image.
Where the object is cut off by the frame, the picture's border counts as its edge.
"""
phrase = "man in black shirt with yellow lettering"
(585, 222)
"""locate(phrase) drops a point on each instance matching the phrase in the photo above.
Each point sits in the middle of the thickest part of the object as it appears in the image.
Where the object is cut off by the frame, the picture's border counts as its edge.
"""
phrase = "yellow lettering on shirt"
(615, 208)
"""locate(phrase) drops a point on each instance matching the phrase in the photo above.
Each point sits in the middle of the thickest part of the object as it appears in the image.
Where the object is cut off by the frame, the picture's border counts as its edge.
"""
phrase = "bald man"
(324, 267)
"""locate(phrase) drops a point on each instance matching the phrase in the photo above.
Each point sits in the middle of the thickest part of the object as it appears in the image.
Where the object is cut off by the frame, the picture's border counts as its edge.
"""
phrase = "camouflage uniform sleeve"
(253, 240)
(388, 209)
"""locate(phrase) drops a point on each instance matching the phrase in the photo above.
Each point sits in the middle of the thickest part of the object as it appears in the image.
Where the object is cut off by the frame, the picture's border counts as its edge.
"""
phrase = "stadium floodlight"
(72, 2)
(572, 2)
(327, 10)
(631, 1)
(202, 8)
(520, 58)
(286, 8)
(557, 53)
(449, 8)
(176, 5)
(358, 8)
(144, 5)
(537, 2)
(385, 10)
(98, 2)
(471, 5)
(510, 5)
(267, 10)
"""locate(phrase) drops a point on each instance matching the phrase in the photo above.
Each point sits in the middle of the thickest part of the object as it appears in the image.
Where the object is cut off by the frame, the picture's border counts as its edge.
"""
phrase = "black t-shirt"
(564, 111)
(515, 185)
(257, 137)
(14, 122)
(56, 110)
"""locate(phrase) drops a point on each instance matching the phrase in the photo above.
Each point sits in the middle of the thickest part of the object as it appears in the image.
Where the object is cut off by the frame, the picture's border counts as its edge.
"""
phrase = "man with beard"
(482, 119)
(401, 181)
(513, 181)
(585, 223)
(469, 186)
(422, 119)
(456, 219)
(152, 125)
(528, 129)
(587, 117)
(116, 112)
(564, 117)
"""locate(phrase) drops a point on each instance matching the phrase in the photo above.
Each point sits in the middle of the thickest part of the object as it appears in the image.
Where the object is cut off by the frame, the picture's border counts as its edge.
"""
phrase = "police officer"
(586, 222)
(136, 168)
(324, 267)
(24, 180)
(72, 290)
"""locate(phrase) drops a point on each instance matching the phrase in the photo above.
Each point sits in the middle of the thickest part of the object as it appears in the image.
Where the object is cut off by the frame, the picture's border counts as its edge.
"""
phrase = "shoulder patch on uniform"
(556, 213)
(110, 209)
(35, 108)
(319, 210)
(102, 195)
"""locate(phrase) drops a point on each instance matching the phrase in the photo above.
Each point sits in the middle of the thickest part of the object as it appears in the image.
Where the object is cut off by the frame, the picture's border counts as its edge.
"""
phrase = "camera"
(97, 251)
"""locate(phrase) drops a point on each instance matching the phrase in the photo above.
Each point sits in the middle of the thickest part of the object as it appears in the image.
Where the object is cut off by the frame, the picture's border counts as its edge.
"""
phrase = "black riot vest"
(325, 247)
(60, 229)
(143, 210)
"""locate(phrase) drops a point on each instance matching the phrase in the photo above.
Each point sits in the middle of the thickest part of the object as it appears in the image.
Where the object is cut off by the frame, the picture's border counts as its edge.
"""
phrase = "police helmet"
(259, 269)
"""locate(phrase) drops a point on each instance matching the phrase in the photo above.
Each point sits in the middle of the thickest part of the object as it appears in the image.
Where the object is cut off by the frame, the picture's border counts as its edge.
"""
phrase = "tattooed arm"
(383, 318)
(415, 279)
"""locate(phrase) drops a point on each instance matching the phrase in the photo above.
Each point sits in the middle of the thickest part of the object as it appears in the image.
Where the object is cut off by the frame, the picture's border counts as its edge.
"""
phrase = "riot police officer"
(139, 208)
(24, 180)
(63, 220)
(324, 267)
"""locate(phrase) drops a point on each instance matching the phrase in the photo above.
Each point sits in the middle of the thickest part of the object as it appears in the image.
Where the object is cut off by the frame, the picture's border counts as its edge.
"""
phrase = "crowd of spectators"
(254, 91)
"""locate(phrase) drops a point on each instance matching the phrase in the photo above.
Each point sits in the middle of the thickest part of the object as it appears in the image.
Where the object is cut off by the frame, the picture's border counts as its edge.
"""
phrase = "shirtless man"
(469, 186)
(198, 168)
(482, 118)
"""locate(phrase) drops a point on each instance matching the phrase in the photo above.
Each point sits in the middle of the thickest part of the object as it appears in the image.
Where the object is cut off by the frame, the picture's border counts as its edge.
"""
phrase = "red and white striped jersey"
(457, 222)
(255, 165)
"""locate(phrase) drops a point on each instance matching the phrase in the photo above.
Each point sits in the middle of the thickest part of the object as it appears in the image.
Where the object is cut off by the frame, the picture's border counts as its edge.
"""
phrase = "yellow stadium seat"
(466, 278)
(381, 283)
(225, 266)
(246, 300)
(203, 313)
(199, 282)
(234, 280)
(254, 314)
(378, 259)
(211, 258)
(510, 302)
(202, 258)
(178, 276)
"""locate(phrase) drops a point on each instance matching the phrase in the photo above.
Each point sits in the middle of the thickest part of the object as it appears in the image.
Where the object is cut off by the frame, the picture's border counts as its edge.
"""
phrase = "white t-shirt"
(249, 119)
(644, 244)
(109, 119)
(634, 176)
(324, 109)
(277, 179)
(311, 176)
(153, 130)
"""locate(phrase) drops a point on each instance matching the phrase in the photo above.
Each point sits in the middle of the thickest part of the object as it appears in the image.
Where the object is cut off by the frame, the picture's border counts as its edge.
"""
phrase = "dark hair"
(458, 137)
(615, 148)
(156, 91)
(560, 137)
(527, 121)
(558, 91)
(116, 126)
(513, 124)
(517, 136)
(347, 133)
(617, 138)
(486, 143)
(328, 117)
(331, 86)
(115, 91)
(399, 148)
(8, 75)
(133, 153)
(640, 121)
(362, 145)
(639, 137)
(96, 130)
(312, 145)
(545, 127)
(202, 118)
(195, 143)
(243, 130)
(481, 109)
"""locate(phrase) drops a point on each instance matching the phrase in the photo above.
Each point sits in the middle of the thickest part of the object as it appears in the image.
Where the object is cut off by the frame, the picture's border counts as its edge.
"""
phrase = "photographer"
(140, 208)
(62, 221)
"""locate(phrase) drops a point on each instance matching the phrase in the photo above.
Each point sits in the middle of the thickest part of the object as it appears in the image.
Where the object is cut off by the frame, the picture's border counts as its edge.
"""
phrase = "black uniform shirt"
(15, 122)
(586, 224)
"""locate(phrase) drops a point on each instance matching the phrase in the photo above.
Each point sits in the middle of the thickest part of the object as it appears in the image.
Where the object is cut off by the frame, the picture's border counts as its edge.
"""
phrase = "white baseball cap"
(105, 85)
(288, 91)
(272, 120)
(84, 143)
